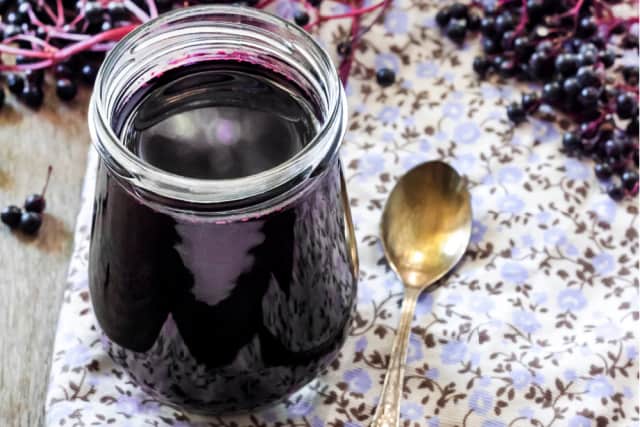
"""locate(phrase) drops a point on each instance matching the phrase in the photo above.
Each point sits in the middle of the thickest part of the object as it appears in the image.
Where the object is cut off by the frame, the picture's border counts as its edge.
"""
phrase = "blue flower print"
(554, 236)
(632, 352)
(361, 344)
(128, 404)
(543, 217)
(477, 231)
(372, 164)
(569, 375)
(427, 69)
(387, 60)
(424, 145)
(409, 162)
(481, 304)
(358, 380)
(599, 387)
(493, 423)
(80, 355)
(316, 421)
(490, 92)
(414, 352)
(301, 407)
(526, 413)
(463, 162)
(606, 210)
(407, 84)
(526, 321)
(409, 121)
(453, 352)
(396, 21)
(511, 203)
(388, 114)
(628, 392)
(351, 424)
(411, 411)
(514, 273)
(388, 136)
(571, 299)
(425, 304)
(580, 421)
(521, 378)
(480, 401)
(453, 110)
(466, 133)
(576, 169)
(603, 263)
(432, 373)
(433, 422)
(544, 131)
(509, 175)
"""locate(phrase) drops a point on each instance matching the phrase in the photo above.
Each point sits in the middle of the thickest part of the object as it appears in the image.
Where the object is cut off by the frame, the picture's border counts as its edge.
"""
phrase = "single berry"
(630, 74)
(385, 77)
(626, 105)
(607, 58)
(315, 3)
(587, 27)
(629, 41)
(515, 113)
(571, 142)
(66, 89)
(481, 65)
(588, 57)
(10, 216)
(566, 64)
(505, 22)
(612, 148)
(63, 70)
(457, 30)
(301, 17)
(32, 95)
(30, 222)
(88, 72)
(602, 170)
(15, 83)
(93, 12)
(459, 11)
(490, 46)
(522, 47)
(551, 92)
(35, 203)
(106, 26)
(586, 76)
(117, 11)
(629, 179)
(615, 191)
(530, 101)
(571, 87)
(507, 40)
(35, 77)
(443, 16)
(588, 96)
(507, 68)
(488, 26)
(541, 65)
(632, 127)
(473, 22)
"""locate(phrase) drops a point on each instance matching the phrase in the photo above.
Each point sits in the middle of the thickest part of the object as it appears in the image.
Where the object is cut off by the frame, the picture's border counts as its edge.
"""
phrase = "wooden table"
(32, 270)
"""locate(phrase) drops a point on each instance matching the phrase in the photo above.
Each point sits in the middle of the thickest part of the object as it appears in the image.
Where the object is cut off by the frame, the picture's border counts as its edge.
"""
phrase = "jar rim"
(129, 167)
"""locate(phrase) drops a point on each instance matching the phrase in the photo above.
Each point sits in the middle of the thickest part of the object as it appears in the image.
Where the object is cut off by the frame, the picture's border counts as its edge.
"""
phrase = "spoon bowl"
(425, 231)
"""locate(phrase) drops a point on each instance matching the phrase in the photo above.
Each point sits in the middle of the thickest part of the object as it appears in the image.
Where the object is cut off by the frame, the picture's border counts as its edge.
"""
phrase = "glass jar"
(220, 295)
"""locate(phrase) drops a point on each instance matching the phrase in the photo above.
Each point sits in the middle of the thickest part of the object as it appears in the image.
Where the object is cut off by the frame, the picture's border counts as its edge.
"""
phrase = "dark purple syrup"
(220, 317)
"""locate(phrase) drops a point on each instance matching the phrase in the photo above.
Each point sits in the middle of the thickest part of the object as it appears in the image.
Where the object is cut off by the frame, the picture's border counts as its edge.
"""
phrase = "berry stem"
(46, 183)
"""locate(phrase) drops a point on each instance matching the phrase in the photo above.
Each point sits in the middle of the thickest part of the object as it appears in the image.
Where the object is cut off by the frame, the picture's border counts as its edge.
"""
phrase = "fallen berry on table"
(30, 222)
(10, 216)
(385, 77)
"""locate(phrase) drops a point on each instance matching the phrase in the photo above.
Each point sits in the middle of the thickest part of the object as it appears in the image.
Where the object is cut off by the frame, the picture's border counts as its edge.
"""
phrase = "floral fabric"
(538, 325)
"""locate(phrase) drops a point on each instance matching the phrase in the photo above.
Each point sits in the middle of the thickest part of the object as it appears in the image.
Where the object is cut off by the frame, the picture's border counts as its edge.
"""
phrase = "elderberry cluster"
(569, 47)
(28, 220)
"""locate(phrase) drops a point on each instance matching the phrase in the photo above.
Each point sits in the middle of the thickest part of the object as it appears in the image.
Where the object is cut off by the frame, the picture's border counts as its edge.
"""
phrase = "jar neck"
(215, 33)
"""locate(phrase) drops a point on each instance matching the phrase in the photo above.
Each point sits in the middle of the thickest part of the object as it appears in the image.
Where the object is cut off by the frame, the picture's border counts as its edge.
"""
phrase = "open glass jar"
(220, 291)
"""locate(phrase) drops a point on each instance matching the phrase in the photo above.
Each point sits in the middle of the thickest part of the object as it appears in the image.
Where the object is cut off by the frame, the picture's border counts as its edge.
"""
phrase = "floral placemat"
(538, 326)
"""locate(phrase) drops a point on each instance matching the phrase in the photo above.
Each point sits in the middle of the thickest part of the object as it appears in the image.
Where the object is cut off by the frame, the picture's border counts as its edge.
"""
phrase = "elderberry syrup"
(222, 265)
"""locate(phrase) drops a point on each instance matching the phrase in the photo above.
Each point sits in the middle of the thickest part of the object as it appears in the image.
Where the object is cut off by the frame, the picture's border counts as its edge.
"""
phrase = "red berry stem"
(46, 183)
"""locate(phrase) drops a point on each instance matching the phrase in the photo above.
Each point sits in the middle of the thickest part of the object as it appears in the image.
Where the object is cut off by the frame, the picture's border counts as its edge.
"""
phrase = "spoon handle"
(388, 411)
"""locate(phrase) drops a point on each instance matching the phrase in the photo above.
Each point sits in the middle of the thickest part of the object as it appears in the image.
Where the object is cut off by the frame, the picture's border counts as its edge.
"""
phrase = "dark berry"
(586, 76)
(34, 77)
(530, 101)
(30, 222)
(522, 47)
(551, 92)
(571, 142)
(541, 65)
(566, 64)
(457, 30)
(602, 170)
(385, 77)
(10, 216)
(66, 89)
(535, 9)
(629, 41)
(35, 203)
(545, 47)
(507, 40)
(587, 27)
(301, 17)
(443, 16)
(106, 26)
(344, 48)
(632, 127)
(587, 58)
(571, 87)
(459, 11)
(63, 70)
(473, 22)
(88, 72)
(32, 95)
(504, 22)
(630, 74)
(615, 191)
(11, 31)
(315, 3)
(589, 96)
(2, 97)
(515, 113)
(626, 105)
(117, 11)
(481, 65)
(507, 68)
(490, 46)
(629, 179)
(93, 12)
(607, 58)
(15, 83)
(488, 26)
(612, 148)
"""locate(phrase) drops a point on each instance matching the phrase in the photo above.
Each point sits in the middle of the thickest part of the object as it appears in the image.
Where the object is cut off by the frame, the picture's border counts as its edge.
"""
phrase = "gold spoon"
(426, 227)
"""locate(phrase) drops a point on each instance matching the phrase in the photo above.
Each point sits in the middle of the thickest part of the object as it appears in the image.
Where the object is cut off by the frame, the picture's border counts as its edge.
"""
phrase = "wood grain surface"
(33, 270)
